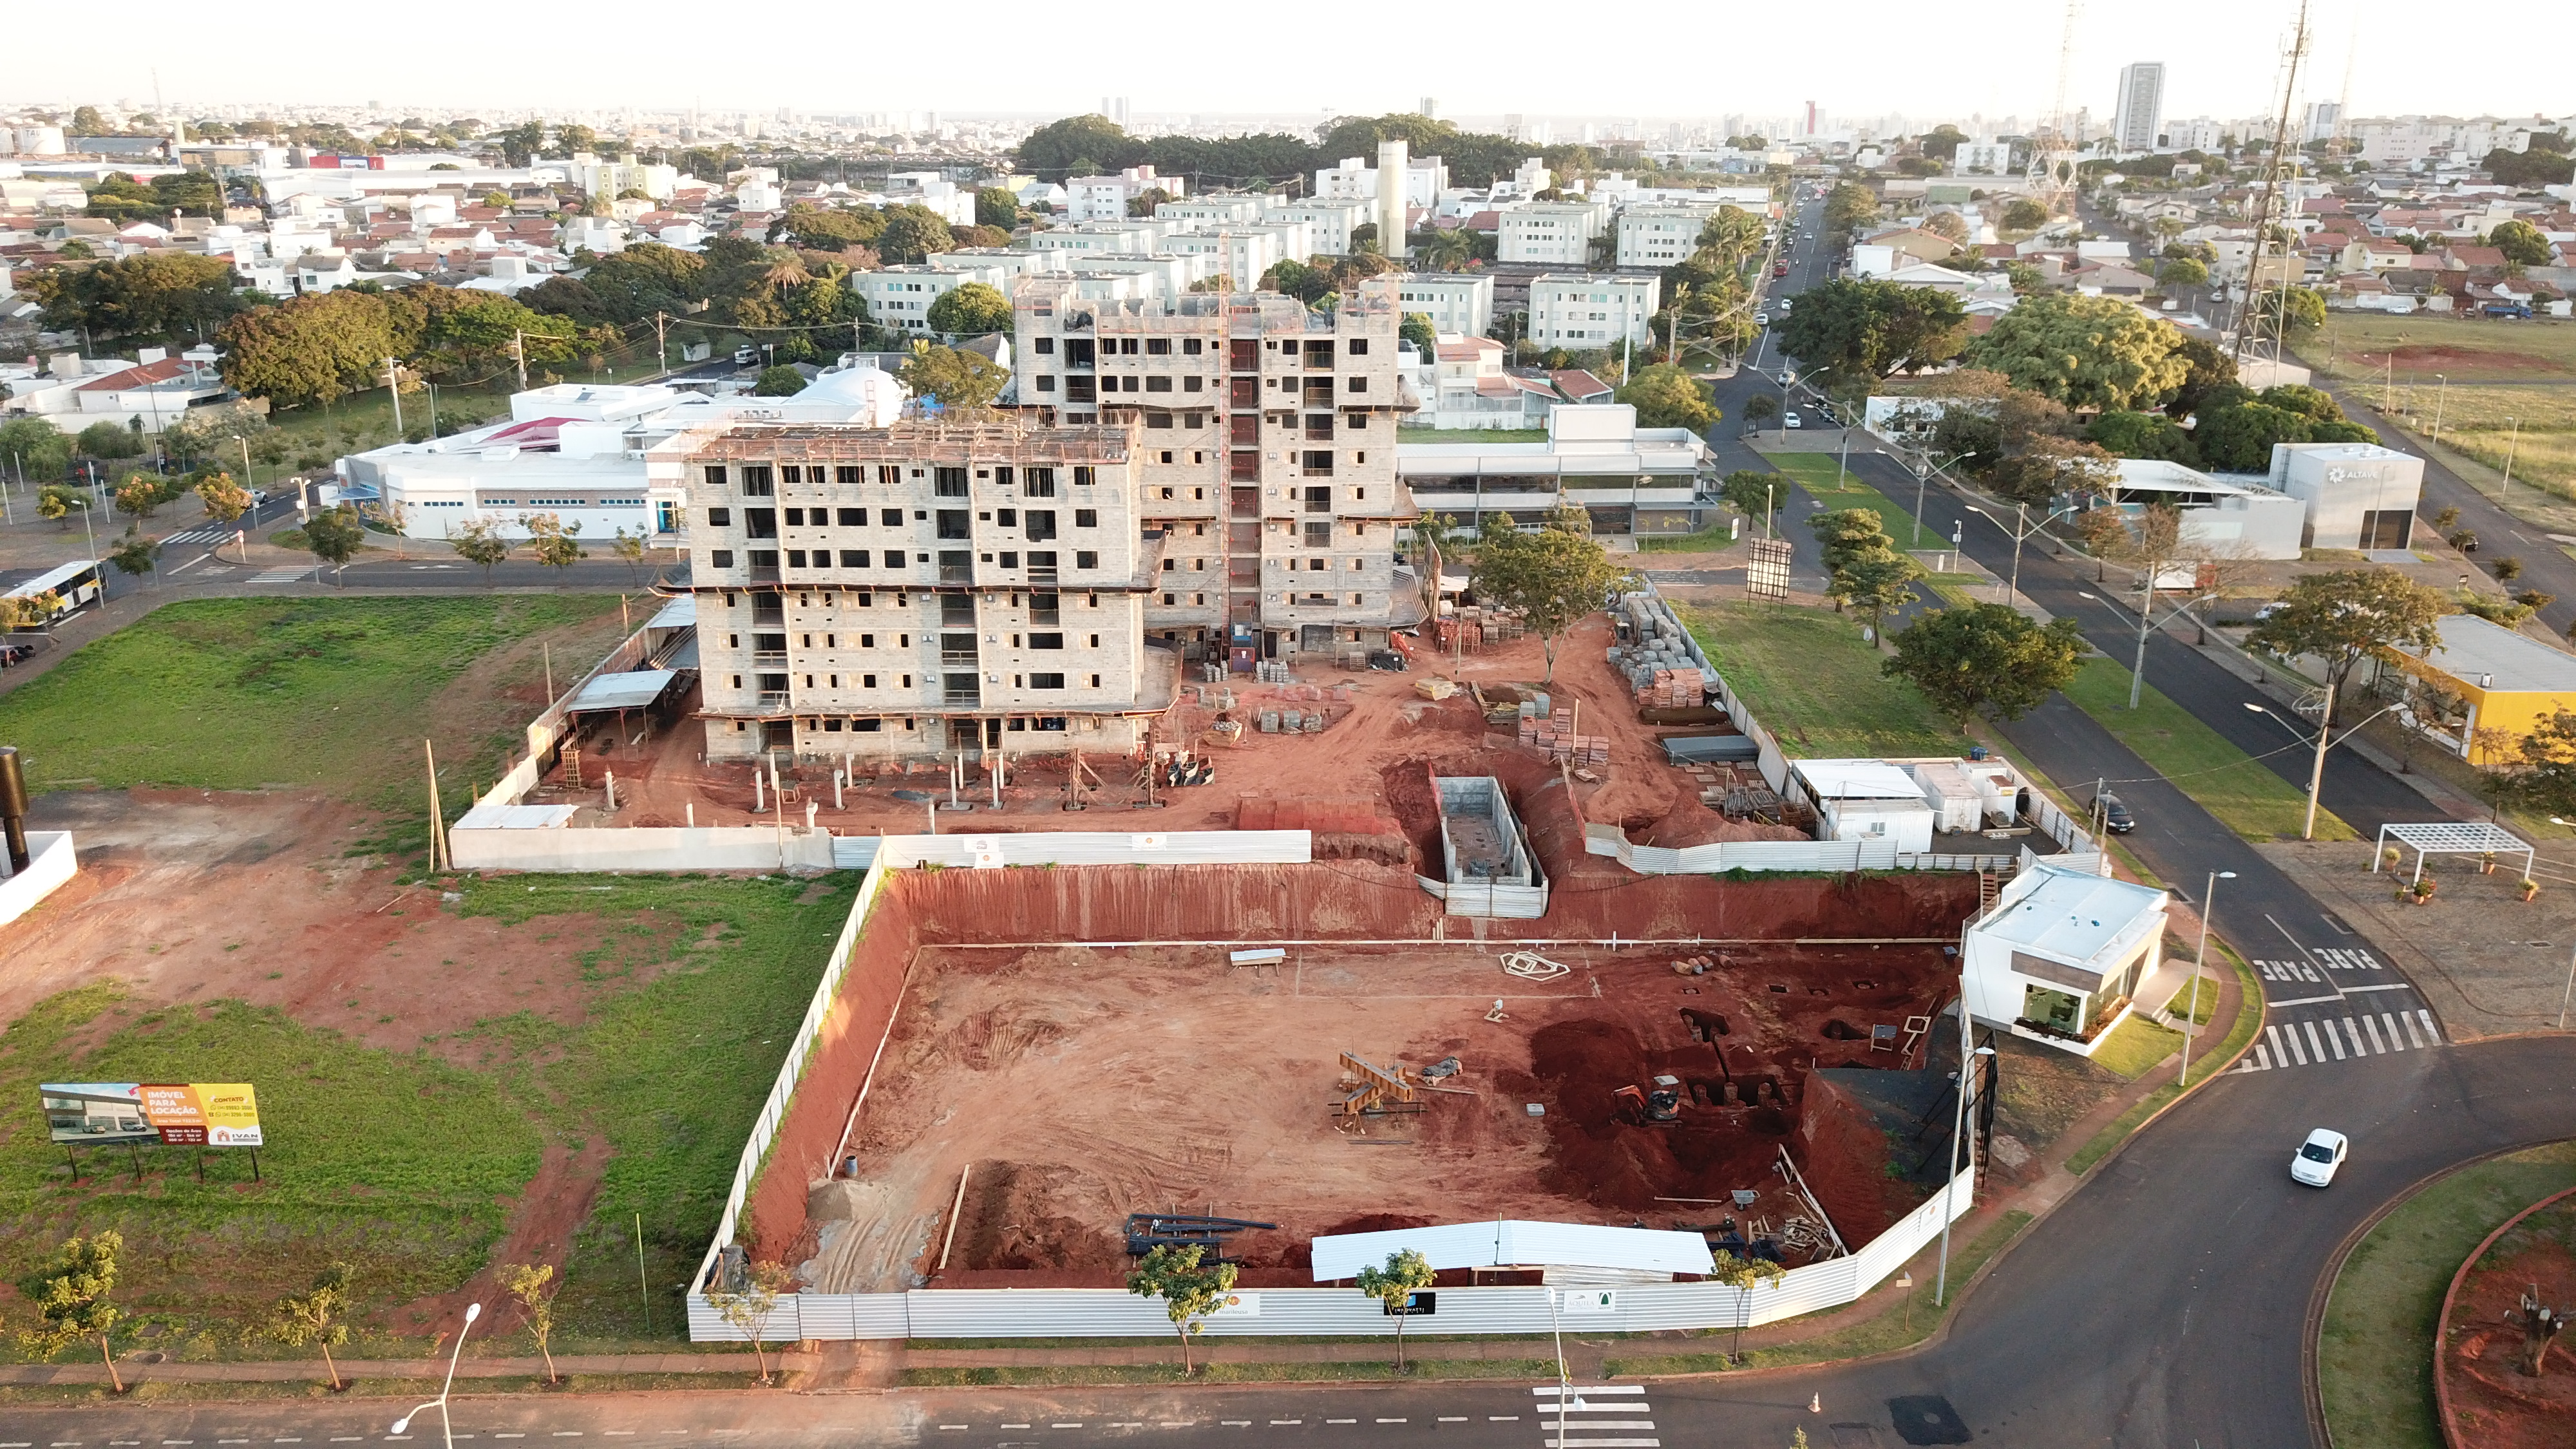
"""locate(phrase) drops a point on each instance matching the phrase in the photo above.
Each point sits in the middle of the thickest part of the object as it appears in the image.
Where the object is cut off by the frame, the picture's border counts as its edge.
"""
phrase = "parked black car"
(2115, 817)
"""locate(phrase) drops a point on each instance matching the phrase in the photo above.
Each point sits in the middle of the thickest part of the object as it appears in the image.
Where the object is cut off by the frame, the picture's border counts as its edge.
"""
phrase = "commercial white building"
(1582, 311)
(577, 451)
(2220, 519)
(1553, 233)
(2061, 954)
(1456, 302)
(1631, 480)
(2357, 495)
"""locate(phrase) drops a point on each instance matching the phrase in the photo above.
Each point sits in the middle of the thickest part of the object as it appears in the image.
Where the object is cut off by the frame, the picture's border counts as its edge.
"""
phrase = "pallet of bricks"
(1672, 689)
(1554, 736)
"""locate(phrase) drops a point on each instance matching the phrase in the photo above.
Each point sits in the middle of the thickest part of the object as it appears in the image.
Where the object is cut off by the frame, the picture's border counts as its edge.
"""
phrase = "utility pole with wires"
(519, 351)
(661, 344)
(393, 390)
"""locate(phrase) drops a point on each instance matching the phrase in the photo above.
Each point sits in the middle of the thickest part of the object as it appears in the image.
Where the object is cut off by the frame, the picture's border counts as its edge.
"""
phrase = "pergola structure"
(2454, 837)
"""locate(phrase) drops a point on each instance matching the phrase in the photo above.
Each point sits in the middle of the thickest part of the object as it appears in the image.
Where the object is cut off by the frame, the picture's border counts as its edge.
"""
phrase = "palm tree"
(785, 271)
(1449, 249)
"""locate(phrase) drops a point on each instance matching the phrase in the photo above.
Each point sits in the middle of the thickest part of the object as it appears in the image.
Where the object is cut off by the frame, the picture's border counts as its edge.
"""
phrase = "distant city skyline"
(1877, 59)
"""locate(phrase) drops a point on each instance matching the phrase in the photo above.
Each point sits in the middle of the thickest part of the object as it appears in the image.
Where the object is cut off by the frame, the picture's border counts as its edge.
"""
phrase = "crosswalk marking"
(289, 575)
(2313, 1041)
(1559, 1403)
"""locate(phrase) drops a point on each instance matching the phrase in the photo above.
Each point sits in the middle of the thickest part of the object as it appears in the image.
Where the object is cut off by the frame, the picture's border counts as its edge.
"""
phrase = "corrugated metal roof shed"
(622, 691)
(1858, 780)
(1516, 1244)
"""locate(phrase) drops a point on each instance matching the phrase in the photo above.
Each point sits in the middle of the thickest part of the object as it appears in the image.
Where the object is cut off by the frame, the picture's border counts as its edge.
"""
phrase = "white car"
(1791, 420)
(1761, 319)
(2319, 1156)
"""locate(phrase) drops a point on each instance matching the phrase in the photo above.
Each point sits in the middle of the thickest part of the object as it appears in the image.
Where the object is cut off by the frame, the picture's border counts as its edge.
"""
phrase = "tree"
(2085, 352)
(225, 499)
(1749, 491)
(210, 431)
(2301, 309)
(141, 495)
(2048, 468)
(970, 310)
(2182, 272)
(1743, 1275)
(2207, 371)
(912, 232)
(149, 294)
(1985, 659)
(106, 440)
(555, 543)
(1864, 328)
(780, 381)
(1947, 225)
(2025, 215)
(481, 543)
(57, 501)
(526, 1283)
(312, 349)
(1848, 207)
(1405, 1274)
(2239, 439)
(319, 1315)
(1878, 581)
(335, 535)
(2531, 169)
(1761, 408)
(1078, 145)
(1550, 576)
(2125, 434)
(134, 555)
(750, 1307)
(2345, 617)
(1667, 397)
(955, 377)
(1189, 1292)
(35, 448)
(73, 1299)
(1847, 533)
(629, 548)
(996, 206)
(1416, 328)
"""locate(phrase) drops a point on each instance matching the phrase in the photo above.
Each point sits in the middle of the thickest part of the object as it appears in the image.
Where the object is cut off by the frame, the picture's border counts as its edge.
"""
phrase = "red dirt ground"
(2492, 1402)
(2462, 361)
(1083, 1084)
(1378, 721)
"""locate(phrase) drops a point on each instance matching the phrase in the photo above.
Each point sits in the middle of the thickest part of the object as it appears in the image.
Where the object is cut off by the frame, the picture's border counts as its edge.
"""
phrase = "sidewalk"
(136, 1370)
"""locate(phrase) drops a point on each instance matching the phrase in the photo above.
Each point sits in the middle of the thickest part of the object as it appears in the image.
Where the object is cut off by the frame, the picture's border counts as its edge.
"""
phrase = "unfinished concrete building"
(1267, 455)
(921, 589)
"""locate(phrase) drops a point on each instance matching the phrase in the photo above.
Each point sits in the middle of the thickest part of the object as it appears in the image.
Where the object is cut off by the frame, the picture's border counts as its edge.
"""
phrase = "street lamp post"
(2317, 773)
(2191, 1013)
(2022, 529)
(446, 1430)
(2510, 444)
(2441, 393)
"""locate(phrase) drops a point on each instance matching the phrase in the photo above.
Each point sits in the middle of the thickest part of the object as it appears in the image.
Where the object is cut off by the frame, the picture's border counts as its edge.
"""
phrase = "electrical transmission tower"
(2279, 169)
(2052, 151)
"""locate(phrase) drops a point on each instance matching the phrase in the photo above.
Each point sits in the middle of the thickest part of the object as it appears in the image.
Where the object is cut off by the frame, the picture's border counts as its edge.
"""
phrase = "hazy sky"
(1651, 58)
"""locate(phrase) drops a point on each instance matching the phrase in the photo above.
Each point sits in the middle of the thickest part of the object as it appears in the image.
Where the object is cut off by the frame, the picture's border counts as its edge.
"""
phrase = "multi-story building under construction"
(1266, 437)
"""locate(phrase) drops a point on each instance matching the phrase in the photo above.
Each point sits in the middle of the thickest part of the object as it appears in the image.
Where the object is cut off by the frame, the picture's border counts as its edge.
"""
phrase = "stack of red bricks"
(1672, 689)
(1555, 737)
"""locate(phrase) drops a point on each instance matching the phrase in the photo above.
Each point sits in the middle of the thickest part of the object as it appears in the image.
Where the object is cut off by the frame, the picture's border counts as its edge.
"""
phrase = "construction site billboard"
(185, 1114)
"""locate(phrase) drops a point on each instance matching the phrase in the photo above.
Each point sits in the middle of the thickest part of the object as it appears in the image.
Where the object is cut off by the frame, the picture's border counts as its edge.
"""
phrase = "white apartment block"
(1661, 236)
(1105, 198)
(926, 587)
(1459, 303)
(1592, 310)
(1328, 223)
(614, 178)
(1217, 210)
(1135, 238)
(1553, 233)
(1267, 447)
(2397, 140)
(901, 296)
(2200, 133)
(1243, 253)
(1985, 156)
(1425, 177)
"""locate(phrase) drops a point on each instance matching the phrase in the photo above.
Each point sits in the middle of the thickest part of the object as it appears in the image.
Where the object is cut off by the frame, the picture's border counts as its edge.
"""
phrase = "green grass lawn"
(1808, 678)
(1471, 435)
(2135, 1046)
(231, 694)
(404, 1164)
(1957, 591)
(2375, 1351)
(1820, 474)
(2241, 791)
